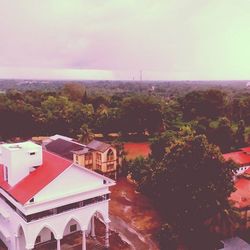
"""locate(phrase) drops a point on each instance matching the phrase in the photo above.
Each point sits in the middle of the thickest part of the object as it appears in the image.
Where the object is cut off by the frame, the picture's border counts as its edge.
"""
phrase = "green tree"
(190, 185)
(223, 135)
(143, 113)
(211, 103)
(240, 134)
(168, 238)
(74, 91)
(138, 168)
(172, 113)
(54, 115)
(158, 144)
(86, 134)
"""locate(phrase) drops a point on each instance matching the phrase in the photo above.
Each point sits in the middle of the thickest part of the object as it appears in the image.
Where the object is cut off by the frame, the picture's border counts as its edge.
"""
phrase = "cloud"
(189, 39)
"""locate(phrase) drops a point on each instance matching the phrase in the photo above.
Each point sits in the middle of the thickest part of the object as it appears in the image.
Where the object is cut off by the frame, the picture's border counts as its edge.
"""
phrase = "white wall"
(74, 180)
(18, 160)
(45, 235)
(67, 228)
(56, 223)
(242, 170)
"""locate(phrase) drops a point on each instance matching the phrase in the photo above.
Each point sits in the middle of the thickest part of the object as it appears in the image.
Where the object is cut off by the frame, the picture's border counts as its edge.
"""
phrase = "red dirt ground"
(136, 213)
(135, 149)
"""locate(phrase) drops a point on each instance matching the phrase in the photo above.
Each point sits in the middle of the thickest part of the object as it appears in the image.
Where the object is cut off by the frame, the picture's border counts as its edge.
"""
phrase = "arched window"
(110, 155)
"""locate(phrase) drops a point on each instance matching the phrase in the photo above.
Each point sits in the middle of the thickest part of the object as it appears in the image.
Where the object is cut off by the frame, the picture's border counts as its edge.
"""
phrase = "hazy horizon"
(115, 39)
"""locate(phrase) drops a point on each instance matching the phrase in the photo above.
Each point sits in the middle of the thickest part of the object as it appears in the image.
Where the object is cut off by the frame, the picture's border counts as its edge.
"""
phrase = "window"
(110, 167)
(77, 159)
(38, 239)
(110, 155)
(32, 200)
(72, 228)
(98, 157)
(88, 157)
(98, 166)
(32, 153)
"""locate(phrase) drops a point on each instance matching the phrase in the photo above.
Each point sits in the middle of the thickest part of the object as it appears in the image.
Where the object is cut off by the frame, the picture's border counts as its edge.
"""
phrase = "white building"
(44, 196)
(241, 158)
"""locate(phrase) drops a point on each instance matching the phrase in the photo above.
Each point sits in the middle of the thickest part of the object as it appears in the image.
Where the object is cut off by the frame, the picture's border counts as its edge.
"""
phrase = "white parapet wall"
(19, 159)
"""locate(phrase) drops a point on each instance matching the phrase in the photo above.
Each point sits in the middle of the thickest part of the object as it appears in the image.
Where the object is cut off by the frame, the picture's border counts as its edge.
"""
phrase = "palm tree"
(86, 134)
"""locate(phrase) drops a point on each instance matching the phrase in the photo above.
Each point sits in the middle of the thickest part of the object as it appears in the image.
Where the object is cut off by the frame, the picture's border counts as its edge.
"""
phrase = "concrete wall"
(72, 181)
(70, 223)
(19, 158)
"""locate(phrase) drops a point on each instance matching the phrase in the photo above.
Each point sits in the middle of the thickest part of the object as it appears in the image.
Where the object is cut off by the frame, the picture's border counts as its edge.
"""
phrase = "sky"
(116, 39)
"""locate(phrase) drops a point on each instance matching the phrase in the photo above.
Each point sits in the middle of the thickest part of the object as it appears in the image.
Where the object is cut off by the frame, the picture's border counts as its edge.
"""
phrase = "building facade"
(46, 197)
(242, 158)
(98, 156)
(241, 197)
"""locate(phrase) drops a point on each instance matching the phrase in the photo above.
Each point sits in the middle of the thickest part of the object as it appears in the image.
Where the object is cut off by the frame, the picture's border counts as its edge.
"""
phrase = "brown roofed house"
(97, 155)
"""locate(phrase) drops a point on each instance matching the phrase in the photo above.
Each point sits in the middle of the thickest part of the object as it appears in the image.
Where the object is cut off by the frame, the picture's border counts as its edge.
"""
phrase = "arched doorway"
(98, 230)
(45, 240)
(21, 240)
(72, 233)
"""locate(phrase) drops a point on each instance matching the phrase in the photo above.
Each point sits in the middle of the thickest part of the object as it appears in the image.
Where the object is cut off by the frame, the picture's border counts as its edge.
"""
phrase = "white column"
(107, 236)
(93, 227)
(17, 241)
(58, 244)
(83, 240)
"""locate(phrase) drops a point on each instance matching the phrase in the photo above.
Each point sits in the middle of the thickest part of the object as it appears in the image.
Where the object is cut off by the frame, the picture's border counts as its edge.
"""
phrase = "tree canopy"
(191, 184)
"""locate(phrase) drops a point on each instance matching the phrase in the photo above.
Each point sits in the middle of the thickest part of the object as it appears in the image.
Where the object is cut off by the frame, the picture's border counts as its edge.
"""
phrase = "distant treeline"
(152, 109)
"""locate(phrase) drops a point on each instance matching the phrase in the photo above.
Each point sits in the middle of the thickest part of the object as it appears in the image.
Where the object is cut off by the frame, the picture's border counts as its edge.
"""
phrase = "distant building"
(98, 156)
(44, 197)
(242, 158)
(241, 197)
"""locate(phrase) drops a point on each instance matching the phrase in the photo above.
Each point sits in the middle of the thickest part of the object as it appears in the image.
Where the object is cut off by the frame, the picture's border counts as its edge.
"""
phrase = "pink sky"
(115, 39)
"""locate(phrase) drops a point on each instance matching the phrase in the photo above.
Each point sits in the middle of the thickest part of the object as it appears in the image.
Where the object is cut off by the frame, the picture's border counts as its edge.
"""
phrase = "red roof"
(53, 165)
(238, 157)
(248, 171)
(247, 149)
(242, 195)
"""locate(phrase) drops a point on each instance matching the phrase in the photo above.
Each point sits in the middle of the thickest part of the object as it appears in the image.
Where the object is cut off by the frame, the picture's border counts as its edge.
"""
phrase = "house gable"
(74, 180)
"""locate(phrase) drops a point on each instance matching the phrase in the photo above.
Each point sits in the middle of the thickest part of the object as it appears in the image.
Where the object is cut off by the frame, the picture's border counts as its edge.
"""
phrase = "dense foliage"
(142, 109)
(190, 184)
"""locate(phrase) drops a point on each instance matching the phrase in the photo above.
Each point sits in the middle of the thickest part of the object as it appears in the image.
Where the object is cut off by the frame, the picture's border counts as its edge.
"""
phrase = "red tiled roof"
(248, 171)
(242, 194)
(247, 149)
(53, 165)
(238, 157)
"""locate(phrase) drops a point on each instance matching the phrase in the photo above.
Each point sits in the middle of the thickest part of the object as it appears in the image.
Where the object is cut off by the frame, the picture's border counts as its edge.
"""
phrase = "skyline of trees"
(212, 112)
